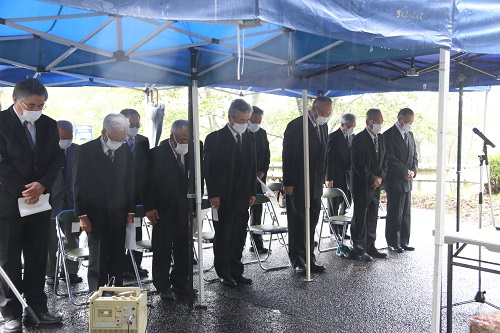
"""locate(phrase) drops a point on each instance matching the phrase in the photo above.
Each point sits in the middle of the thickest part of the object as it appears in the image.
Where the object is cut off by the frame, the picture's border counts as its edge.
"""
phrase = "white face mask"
(321, 120)
(377, 128)
(349, 131)
(182, 148)
(407, 127)
(113, 145)
(240, 128)
(31, 116)
(253, 127)
(132, 131)
(63, 144)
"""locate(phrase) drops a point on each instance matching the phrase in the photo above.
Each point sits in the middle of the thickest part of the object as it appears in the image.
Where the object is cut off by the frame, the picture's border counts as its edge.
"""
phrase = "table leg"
(449, 292)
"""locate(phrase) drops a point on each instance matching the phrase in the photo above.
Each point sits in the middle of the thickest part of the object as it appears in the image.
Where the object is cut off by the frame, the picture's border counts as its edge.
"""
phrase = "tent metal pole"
(307, 194)
(459, 147)
(487, 165)
(444, 88)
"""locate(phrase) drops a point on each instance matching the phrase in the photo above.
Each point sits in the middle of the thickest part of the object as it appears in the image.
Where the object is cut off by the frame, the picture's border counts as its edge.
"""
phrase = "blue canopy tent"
(337, 46)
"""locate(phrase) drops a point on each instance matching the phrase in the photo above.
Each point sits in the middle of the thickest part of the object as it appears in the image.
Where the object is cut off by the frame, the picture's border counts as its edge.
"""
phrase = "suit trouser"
(230, 236)
(295, 213)
(73, 242)
(398, 220)
(364, 221)
(256, 218)
(106, 245)
(29, 236)
(170, 234)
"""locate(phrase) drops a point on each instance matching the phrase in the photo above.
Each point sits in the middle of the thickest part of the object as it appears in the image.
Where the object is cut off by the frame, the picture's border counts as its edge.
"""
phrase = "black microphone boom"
(485, 139)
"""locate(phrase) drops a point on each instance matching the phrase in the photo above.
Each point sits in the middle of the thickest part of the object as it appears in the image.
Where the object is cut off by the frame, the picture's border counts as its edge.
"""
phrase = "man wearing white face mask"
(293, 180)
(229, 161)
(62, 199)
(139, 147)
(369, 168)
(338, 164)
(29, 163)
(104, 199)
(403, 167)
(166, 206)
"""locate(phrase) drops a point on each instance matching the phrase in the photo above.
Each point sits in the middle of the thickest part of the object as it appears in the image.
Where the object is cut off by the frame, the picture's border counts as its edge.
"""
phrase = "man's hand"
(130, 218)
(215, 202)
(152, 216)
(260, 174)
(410, 175)
(85, 224)
(288, 190)
(377, 182)
(329, 183)
(251, 201)
(33, 192)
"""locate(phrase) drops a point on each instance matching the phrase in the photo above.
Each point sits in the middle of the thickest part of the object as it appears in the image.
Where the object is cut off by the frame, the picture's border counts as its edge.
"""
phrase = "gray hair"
(239, 105)
(29, 87)
(178, 125)
(322, 99)
(404, 112)
(347, 118)
(115, 121)
(371, 113)
(65, 125)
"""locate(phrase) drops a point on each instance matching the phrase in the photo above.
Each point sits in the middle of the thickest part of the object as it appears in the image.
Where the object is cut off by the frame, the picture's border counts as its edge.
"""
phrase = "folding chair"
(142, 246)
(269, 229)
(207, 237)
(79, 254)
(343, 220)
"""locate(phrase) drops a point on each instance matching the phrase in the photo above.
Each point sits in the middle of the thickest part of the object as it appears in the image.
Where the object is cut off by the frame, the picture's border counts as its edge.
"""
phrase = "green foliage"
(495, 173)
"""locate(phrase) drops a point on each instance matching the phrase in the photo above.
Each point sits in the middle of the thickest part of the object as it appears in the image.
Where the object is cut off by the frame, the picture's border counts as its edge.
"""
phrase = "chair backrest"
(275, 187)
(205, 203)
(67, 217)
(261, 199)
(333, 192)
(139, 211)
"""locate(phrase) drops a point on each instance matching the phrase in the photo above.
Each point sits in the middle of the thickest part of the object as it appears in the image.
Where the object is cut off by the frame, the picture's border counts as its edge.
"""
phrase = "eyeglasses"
(135, 125)
(34, 107)
(374, 123)
(241, 122)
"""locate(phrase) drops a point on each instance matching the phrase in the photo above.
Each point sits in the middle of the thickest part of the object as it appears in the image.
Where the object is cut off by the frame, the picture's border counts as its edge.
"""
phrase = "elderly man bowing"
(104, 199)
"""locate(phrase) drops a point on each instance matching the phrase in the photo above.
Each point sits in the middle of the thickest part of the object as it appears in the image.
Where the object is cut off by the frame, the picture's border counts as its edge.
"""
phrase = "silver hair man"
(115, 122)
(239, 105)
(177, 126)
(347, 119)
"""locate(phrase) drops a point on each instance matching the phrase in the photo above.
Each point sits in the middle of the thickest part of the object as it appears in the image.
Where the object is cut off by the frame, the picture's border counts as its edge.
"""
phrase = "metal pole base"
(200, 307)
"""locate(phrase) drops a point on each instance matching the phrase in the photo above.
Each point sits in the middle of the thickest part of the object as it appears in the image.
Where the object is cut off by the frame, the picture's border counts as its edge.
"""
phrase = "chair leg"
(319, 240)
(136, 271)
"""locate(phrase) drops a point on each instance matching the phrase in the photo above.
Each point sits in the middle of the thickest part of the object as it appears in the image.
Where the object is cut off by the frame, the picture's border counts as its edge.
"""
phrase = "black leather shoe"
(228, 282)
(74, 278)
(13, 326)
(408, 248)
(168, 295)
(396, 249)
(301, 270)
(183, 290)
(363, 257)
(377, 254)
(142, 272)
(261, 250)
(49, 280)
(242, 280)
(46, 318)
(315, 268)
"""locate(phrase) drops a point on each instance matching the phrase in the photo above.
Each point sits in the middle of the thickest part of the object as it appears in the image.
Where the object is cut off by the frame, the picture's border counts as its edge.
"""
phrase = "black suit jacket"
(365, 166)
(19, 165)
(338, 163)
(230, 174)
(401, 158)
(166, 187)
(293, 158)
(62, 190)
(262, 153)
(140, 163)
(104, 190)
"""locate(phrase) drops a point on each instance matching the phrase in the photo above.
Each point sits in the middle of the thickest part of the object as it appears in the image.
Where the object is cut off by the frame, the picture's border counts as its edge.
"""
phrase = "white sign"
(83, 133)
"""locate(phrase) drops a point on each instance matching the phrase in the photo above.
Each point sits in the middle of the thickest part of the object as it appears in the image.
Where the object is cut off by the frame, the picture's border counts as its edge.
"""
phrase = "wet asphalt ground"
(383, 296)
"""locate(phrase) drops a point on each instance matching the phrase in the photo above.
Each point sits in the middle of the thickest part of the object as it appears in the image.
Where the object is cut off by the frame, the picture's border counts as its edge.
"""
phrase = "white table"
(485, 237)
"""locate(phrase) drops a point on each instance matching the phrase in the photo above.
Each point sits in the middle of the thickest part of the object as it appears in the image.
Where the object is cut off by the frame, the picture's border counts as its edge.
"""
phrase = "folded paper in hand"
(41, 206)
(266, 189)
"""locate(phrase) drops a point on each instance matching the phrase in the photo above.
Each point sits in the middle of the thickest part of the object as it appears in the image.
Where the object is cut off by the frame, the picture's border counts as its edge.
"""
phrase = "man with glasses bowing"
(293, 180)
(29, 163)
(230, 174)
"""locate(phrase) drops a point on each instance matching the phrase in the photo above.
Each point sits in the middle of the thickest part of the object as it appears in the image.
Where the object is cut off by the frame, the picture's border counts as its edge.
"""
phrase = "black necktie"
(347, 140)
(238, 140)
(28, 136)
(179, 162)
(406, 138)
(111, 155)
(64, 165)
(375, 142)
(317, 132)
(131, 144)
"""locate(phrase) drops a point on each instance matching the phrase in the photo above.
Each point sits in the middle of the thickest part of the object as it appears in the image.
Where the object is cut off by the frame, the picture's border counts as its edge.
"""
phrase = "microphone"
(485, 139)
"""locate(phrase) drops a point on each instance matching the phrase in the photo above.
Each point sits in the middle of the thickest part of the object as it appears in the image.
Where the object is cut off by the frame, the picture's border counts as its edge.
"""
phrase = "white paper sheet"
(266, 189)
(75, 227)
(215, 215)
(137, 222)
(41, 206)
(130, 243)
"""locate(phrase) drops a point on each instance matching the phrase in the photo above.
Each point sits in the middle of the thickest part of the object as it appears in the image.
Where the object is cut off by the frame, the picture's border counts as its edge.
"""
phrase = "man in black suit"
(338, 164)
(62, 199)
(139, 147)
(104, 199)
(166, 205)
(369, 168)
(229, 161)
(263, 156)
(403, 167)
(29, 162)
(293, 180)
